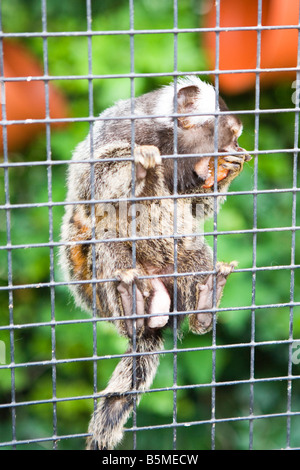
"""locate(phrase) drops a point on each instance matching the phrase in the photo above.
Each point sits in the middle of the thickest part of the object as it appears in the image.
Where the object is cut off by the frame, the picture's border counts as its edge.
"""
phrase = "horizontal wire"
(87, 119)
(152, 276)
(130, 159)
(131, 75)
(115, 318)
(120, 32)
(213, 347)
(178, 236)
(159, 426)
(43, 285)
(216, 421)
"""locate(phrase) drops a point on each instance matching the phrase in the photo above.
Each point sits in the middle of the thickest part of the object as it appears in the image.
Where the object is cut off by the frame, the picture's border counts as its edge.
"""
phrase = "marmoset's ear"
(187, 103)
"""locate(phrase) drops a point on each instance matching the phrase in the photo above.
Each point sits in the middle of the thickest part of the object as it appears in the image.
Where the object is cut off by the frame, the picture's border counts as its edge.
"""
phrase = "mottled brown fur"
(154, 255)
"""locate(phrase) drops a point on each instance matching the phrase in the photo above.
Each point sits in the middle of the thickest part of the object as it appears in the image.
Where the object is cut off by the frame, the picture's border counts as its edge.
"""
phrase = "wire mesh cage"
(61, 65)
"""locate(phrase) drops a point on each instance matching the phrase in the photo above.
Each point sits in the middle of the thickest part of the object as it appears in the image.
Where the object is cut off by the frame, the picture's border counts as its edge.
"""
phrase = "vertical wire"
(215, 225)
(254, 258)
(293, 246)
(8, 237)
(50, 217)
(175, 181)
(133, 216)
(92, 180)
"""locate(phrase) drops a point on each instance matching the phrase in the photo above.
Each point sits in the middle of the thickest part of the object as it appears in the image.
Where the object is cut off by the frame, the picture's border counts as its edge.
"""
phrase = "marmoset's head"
(200, 118)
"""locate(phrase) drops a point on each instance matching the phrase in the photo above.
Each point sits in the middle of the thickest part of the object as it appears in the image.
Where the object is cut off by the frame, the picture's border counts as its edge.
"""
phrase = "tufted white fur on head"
(205, 100)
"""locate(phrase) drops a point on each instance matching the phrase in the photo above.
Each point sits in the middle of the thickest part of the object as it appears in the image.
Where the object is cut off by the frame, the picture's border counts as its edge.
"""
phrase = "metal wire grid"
(8, 207)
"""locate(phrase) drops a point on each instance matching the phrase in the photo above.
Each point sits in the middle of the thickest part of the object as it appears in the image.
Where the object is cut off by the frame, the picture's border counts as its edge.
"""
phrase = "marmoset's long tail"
(106, 426)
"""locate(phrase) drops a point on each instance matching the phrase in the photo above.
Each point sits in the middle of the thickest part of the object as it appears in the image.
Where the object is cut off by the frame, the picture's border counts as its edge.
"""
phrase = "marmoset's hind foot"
(127, 278)
(201, 323)
(158, 301)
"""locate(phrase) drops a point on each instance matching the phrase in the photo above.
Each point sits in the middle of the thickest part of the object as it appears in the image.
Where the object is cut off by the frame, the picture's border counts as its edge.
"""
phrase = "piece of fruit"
(221, 172)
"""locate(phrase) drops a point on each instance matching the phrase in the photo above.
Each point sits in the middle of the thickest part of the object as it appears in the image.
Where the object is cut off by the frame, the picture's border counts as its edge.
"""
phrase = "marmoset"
(129, 245)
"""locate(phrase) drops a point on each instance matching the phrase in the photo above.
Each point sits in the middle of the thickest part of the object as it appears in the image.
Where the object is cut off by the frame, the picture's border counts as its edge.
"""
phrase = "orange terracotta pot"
(238, 49)
(26, 99)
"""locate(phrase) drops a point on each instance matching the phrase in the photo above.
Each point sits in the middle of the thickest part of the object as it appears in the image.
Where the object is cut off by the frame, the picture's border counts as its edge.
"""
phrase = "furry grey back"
(145, 131)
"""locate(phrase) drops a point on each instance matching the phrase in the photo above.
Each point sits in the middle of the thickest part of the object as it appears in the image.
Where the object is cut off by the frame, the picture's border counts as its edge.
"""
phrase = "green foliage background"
(153, 53)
